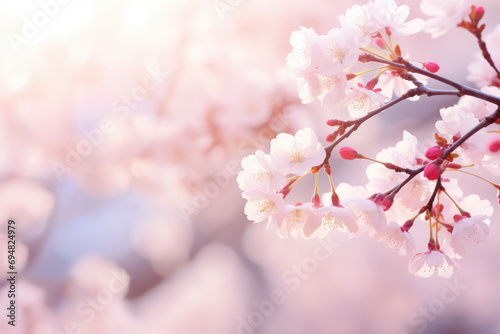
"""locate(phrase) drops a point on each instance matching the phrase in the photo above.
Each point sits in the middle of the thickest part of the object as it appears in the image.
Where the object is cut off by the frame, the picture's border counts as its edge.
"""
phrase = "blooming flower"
(447, 14)
(366, 211)
(259, 174)
(469, 231)
(307, 57)
(260, 207)
(318, 61)
(338, 46)
(392, 84)
(297, 154)
(397, 238)
(300, 220)
(430, 262)
(479, 108)
(335, 218)
(332, 90)
(358, 21)
(389, 16)
(363, 99)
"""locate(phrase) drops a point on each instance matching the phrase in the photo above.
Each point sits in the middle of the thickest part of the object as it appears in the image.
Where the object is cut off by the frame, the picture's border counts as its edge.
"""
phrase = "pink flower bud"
(478, 13)
(494, 145)
(432, 171)
(431, 67)
(384, 201)
(332, 136)
(332, 122)
(433, 152)
(379, 42)
(348, 153)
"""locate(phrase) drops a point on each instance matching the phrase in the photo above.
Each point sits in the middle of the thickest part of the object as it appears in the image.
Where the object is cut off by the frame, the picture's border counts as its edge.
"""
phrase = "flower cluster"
(411, 187)
(265, 187)
(323, 64)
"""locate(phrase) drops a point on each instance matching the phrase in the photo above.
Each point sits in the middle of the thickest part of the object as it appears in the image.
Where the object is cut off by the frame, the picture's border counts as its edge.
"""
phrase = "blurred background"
(122, 128)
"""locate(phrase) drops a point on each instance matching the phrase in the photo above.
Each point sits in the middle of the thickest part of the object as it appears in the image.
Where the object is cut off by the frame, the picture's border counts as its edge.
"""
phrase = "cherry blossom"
(479, 108)
(300, 220)
(259, 174)
(332, 90)
(362, 99)
(392, 84)
(361, 67)
(311, 65)
(397, 238)
(336, 218)
(358, 21)
(339, 47)
(367, 212)
(260, 207)
(432, 262)
(468, 231)
(391, 17)
(446, 14)
(297, 154)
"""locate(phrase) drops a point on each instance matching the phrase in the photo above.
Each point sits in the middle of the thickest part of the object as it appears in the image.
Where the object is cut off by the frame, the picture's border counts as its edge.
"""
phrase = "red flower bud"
(348, 153)
(431, 67)
(432, 171)
(332, 136)
(384, 201)
(332, 122)
(478, 13)
(433, 152)
(494, 145)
